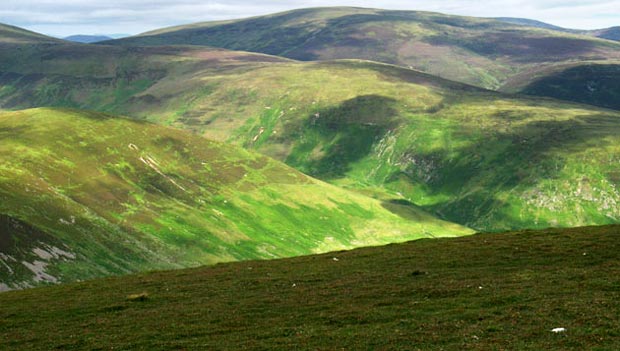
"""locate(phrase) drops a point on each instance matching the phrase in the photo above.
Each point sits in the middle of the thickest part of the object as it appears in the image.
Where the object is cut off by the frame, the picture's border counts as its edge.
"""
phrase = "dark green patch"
(340, 135)
(594, 84)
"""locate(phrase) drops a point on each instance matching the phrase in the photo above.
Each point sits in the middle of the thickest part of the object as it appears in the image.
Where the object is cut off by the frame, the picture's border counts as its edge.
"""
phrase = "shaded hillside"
(483, 52)
(590, 83)
(482, 292)
(85, 195)
(612, 33)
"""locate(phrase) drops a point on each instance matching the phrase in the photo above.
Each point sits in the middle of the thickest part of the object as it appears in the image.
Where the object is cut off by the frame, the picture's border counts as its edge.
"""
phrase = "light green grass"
(122, 196)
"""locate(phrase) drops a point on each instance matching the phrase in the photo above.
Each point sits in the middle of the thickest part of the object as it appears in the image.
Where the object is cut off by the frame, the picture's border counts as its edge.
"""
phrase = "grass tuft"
(138, 297)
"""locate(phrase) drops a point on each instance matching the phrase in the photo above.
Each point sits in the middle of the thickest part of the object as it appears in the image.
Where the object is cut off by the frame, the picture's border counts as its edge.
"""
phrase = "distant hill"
(16, 35)
(481, 292)
(612, 33)
(86, 194)
(87, 39)
(478, 51)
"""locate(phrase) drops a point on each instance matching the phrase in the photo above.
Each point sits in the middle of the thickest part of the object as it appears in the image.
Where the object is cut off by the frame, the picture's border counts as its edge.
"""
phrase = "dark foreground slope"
(86, 194)
(483, 292)
(479, 51)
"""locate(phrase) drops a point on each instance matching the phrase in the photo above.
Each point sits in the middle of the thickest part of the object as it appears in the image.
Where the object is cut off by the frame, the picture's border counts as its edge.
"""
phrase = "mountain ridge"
(478, 51)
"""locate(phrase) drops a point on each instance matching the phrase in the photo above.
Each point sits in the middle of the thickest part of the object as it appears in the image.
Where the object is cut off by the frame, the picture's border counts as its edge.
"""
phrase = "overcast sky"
(65, 17)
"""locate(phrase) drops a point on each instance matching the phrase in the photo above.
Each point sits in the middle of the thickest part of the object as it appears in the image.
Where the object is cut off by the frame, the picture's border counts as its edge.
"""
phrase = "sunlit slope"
(481, 292)
(486, 160)
(109, 78)
(86, 194)
(480, 51)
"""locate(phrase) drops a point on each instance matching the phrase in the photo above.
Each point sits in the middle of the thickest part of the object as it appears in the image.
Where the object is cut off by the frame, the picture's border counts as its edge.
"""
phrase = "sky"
(61, 18)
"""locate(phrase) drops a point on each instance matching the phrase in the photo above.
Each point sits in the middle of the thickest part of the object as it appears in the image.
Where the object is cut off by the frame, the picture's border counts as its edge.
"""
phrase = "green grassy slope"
(483, 52)
(486, 160)
(482, 159)
(482, 292)
(85, 194)
(108, 78)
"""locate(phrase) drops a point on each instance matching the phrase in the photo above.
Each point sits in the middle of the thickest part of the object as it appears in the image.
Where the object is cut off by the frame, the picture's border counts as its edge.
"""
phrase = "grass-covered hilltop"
(499, 54)
(481, 292)
(86, 194)
(480, 51)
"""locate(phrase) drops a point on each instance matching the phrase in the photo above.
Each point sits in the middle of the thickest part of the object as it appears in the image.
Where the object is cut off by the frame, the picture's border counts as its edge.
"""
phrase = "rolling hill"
(478, 51)
(486, 160)
(481, 292)
(86, 194)
(108, 78)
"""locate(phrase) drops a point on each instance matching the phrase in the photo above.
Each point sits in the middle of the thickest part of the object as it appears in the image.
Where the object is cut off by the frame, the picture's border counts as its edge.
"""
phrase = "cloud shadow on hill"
(329, 140)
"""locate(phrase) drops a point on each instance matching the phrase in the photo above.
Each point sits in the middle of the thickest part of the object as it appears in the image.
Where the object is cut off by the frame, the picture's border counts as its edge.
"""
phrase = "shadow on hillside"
(328, 141)
(16, 234)
(405, 209)
(597, 85)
